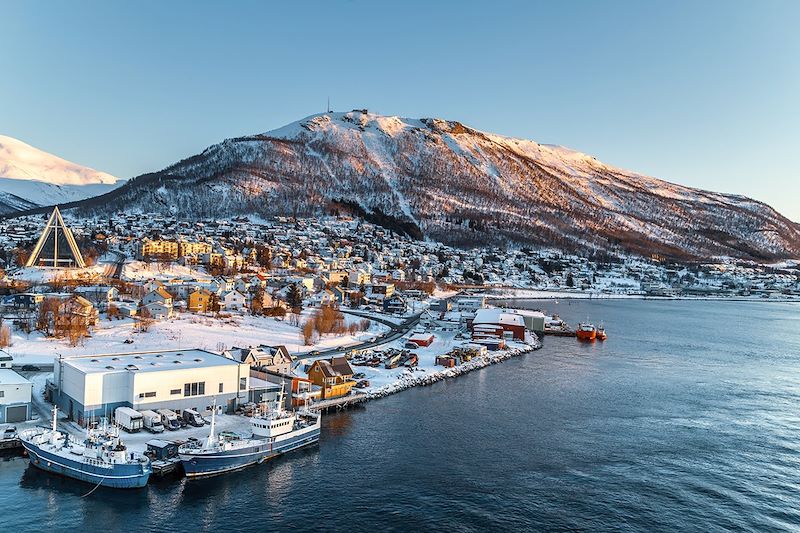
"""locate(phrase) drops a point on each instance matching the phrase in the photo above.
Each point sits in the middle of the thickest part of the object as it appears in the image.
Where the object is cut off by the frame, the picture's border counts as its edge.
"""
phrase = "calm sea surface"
(686, 419)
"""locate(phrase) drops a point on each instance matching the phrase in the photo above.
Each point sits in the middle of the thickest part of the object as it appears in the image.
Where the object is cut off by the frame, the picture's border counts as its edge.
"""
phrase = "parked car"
(30, 368)
(192, 417)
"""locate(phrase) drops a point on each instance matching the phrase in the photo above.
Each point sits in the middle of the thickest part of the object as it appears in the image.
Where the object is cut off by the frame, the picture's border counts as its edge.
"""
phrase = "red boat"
(586, 332)
(601, 334)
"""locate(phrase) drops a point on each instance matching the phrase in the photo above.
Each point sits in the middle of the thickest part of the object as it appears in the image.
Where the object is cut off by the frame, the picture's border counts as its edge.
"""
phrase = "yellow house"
(334, 376)
(199, 301)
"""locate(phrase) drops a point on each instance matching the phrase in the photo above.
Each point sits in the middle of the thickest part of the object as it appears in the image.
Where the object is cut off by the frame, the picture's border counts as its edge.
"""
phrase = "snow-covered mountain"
(30, 177)
(443, 180)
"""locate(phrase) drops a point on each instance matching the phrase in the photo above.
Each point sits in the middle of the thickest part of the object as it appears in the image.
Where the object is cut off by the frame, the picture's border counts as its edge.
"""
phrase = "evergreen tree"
(294, 298)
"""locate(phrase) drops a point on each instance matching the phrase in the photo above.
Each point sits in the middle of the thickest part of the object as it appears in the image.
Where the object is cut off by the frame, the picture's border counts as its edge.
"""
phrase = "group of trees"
(328, 320)
(57, 319)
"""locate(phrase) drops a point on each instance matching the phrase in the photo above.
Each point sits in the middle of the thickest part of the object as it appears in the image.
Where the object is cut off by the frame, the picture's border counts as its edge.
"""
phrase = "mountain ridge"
(458, 185)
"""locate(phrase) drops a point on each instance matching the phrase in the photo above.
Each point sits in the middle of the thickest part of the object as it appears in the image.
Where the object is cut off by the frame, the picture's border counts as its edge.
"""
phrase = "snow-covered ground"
(185, 331)
(139, 270)
(42, 275)
(499, 294)
(383, 380)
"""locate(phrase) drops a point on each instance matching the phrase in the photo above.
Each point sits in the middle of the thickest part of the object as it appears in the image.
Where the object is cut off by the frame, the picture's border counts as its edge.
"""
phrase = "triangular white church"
(56, 247)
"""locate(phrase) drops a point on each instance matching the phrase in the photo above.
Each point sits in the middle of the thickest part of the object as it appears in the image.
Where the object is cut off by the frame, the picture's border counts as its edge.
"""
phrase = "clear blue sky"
(701, 93)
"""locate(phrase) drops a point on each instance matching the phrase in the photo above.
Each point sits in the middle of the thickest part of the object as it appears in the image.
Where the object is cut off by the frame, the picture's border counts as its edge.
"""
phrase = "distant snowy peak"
(31, 178)
(21, 161)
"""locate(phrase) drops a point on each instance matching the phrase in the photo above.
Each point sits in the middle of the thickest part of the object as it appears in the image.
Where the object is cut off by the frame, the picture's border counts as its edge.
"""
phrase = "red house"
(421, 339)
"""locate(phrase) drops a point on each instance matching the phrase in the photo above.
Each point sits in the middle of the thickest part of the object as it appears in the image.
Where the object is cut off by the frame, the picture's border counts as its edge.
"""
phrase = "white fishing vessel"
(101, 458)
(273, 431)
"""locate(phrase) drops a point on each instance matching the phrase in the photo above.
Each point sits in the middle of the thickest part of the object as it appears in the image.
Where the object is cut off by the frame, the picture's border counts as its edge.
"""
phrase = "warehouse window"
(147, 395)
(242, 383)
(220, 387)
(3, 393)
(194, 389)
(173, 392)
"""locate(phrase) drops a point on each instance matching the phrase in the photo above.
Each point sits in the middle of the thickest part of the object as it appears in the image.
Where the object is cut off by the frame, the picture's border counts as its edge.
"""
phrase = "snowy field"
(139, 270)
(38, 275)
(185, 331)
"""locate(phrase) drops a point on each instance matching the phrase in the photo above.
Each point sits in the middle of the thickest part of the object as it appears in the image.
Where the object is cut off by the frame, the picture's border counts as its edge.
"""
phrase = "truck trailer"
(129, 419)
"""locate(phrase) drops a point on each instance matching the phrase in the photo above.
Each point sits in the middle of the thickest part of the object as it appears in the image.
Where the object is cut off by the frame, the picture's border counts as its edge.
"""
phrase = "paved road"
(118, 264)
(397, 331)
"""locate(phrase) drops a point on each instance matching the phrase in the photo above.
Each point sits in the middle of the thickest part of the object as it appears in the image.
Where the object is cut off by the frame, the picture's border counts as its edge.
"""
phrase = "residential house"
(160, 295)
(395, 304)
(264, 358)
(232, 300)
(99, 294)
(199, 300)
(322, 298)
(334, 376)
(75, 312)
(158, 310)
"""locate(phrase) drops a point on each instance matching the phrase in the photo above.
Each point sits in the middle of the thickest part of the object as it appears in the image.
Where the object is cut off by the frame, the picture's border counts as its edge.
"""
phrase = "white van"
(169, 419)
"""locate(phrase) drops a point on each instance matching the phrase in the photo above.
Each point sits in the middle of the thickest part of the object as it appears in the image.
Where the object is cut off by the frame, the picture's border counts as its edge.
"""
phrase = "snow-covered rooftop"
(147, 361)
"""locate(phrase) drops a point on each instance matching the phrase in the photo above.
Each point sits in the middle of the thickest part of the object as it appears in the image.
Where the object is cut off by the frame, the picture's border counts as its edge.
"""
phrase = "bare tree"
(48, 315)
(5, 336)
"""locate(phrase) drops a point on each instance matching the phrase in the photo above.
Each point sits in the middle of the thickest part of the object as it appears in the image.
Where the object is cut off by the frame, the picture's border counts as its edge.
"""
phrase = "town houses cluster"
(331, 258)
(324, 308)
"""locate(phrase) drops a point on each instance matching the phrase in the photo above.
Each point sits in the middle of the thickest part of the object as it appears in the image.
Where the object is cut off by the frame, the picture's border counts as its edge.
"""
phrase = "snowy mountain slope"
(31, 177)
(10, 203)
(445, 181)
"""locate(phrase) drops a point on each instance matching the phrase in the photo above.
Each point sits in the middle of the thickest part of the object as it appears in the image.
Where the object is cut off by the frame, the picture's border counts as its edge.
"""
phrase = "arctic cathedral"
(56, 247)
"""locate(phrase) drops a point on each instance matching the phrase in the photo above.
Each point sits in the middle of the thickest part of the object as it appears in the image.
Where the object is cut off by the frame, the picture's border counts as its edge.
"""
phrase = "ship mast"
(55, 426)
(211, 437)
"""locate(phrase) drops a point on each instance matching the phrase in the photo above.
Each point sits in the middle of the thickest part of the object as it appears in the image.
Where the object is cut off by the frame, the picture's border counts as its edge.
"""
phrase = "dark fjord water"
(686, 419)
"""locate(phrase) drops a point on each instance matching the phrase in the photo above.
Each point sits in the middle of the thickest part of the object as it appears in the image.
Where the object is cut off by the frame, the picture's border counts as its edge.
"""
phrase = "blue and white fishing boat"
(274, 431)
(101, 459)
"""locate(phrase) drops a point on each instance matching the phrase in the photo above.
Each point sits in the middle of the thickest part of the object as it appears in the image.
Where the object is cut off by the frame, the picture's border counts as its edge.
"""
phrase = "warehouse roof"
(498, 316)
(9, 377)
(147, 361)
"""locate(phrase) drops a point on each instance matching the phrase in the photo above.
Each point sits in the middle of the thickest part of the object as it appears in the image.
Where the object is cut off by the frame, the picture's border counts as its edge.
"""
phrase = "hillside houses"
(233, 263)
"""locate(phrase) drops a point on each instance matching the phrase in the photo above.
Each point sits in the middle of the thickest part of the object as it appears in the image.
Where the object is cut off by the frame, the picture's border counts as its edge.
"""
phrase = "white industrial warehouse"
(15, 397)
(92, 386)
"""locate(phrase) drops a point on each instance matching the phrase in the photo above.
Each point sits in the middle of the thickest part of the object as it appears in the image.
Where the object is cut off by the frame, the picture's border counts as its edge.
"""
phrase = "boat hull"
(586, 335)
(121, 476)
(218, 462)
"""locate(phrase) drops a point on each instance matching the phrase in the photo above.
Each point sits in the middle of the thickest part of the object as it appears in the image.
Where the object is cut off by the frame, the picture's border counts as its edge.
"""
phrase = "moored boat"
(601, 334)
(101, 459)
(274, 431)
(586, 332)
